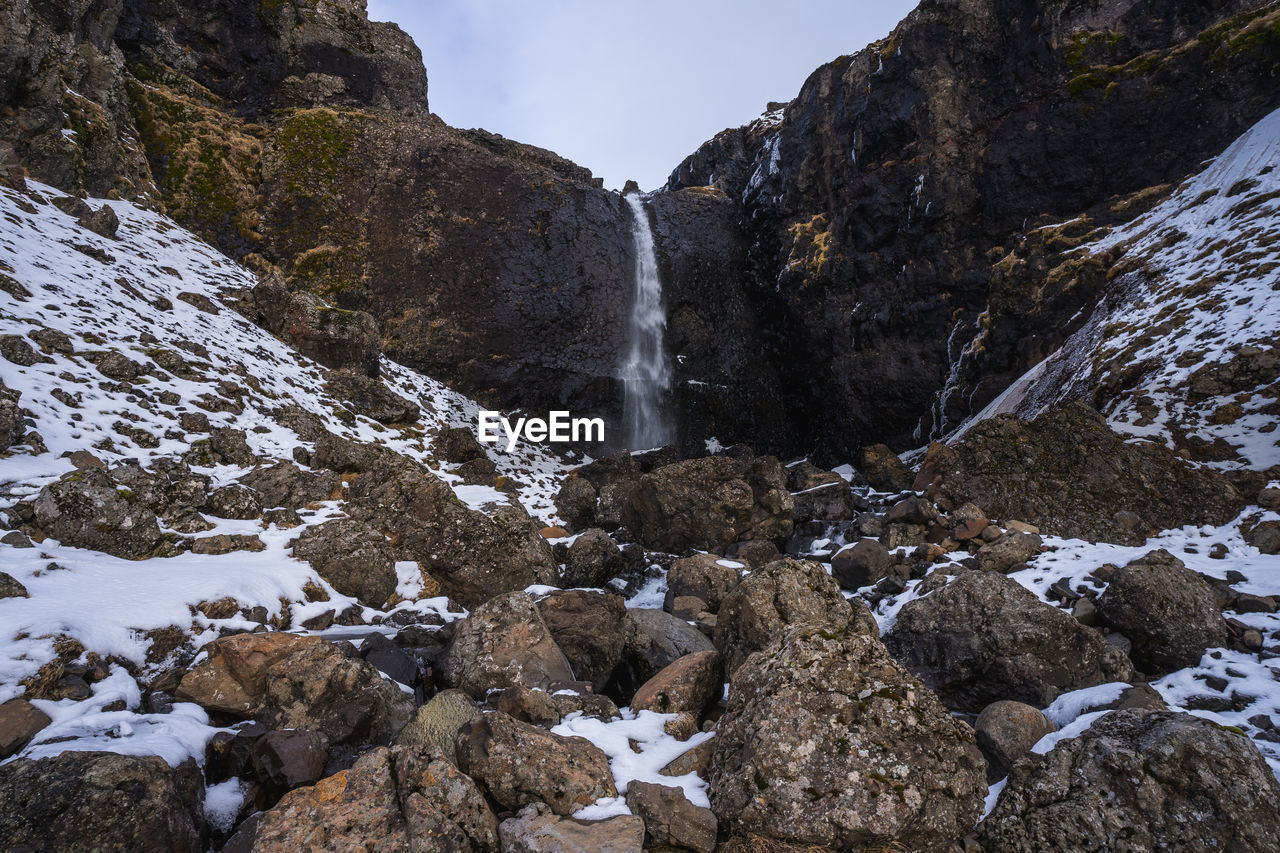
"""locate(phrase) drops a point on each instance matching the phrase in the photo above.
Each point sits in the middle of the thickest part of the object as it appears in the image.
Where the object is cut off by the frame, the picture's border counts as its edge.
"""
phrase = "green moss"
(316, 148)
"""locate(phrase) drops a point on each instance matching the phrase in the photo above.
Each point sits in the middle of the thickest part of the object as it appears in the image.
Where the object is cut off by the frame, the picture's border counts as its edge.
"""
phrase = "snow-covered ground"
(128, 294)
(1204, 281)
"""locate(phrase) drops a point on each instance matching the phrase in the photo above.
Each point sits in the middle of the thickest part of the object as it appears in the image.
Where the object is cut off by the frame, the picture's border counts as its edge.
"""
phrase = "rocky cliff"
(895, 209)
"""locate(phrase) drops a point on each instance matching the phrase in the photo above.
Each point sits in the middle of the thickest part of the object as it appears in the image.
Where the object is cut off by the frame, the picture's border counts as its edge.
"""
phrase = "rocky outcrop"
(1069, 474)
(984, 637)
(1142, 781)
(828, 741)
(122, 802)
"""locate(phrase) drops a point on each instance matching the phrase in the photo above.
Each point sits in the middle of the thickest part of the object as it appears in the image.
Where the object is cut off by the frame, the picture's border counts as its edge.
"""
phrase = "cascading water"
(645, 372)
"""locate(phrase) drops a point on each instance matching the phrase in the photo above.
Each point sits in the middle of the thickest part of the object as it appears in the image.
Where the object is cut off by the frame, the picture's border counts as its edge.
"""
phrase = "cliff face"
(891, 209)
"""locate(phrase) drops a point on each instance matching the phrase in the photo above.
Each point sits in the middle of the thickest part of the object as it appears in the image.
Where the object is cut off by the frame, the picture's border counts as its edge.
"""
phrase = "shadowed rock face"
(883, 210)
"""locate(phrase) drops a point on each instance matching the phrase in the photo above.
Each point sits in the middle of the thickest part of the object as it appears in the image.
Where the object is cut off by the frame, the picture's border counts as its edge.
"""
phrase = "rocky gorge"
(968, 538)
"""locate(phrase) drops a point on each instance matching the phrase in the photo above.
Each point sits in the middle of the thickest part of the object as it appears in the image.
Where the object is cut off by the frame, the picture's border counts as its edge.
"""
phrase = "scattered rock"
(503, 643)
(405, 798)
(1006, 732)
(438, 722)
(782, 594)
(670, 819)
(121, 802)
(370, 397)
(861, 564)
(984, 637)
(710, 503)
(1068, 473)
(1096, 791)
(828, 741)
(1009, 552)
(688, 684)
(590, 629)
(1166, 610)
(519, 764)
(535, 829)
(86, 509)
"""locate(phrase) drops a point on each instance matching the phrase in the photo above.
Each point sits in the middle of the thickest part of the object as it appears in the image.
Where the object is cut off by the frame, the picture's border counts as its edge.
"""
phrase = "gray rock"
(1006, 732)
(1008, 552)
(861, 564)
(705, 576)
(593, 560)
(286, 485)
(503, 643)
(11, 588)
(1140, 780)
(828, 741)
(984, 637)
(535, 829)
(1166, 610)
(352, 556)
(234, 501)
(370, 397)
(590, 629)
(86, 509)
(653, 639)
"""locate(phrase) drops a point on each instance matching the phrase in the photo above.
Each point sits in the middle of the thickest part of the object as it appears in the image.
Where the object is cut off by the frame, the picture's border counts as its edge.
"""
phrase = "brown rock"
(687, 685)
(537, 830)
(705, 576)
(670, 819)
(1006, 732)
(503, 643)
(20, 721)
(226, 543)
(884, 470)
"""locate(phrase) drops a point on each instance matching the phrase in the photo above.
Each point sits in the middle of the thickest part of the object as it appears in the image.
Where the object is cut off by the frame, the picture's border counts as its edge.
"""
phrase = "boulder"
(1006, 732)
(576, 503)
(590, 629)
(234, 501)
(1140, 780)
(819, 495)
(1166, 610)
(884, 470)
(652, 640)
(284, 760)
(536, 829)
(1068, 473)
(670, 820)
(782, 594)
(286, 485)
(87, 509)
(437, 723)
(351, 555)
(984, 637)
(11, 587)
(332, 336)
(13, 424)
(399, 800)
(370, 397)
(687, 685)
(20, 721)
(301, 682)
(1011, 551)
(710, 503)
(120, 802)
(827, 740)
(593, 560)
(519, 764)
(705, 576)
(861, 564)
(1265, 536)
(473, 555)
(457, 444)
(503, 643)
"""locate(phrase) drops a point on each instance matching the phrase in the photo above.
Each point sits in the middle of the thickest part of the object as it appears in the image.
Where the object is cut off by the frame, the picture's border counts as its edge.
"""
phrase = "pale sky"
(627, 90)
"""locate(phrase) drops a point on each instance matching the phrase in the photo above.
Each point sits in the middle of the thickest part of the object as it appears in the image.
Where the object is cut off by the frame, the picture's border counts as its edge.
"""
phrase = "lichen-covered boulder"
(985, 637)
(351, 555)
(88, 509)
(503, 643)
(827, 740)
(1140, 780)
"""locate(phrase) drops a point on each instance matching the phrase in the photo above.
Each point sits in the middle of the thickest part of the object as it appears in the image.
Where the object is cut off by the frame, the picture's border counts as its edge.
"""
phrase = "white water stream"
(645, 371)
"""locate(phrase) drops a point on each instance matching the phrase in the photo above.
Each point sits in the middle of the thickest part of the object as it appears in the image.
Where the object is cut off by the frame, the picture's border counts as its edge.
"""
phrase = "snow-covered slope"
(1183, 348)
(138, 295)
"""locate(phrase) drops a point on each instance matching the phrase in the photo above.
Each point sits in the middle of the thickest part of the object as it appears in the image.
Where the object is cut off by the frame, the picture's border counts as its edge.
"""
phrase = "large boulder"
(652, 640)
(1166, 610)
(291, 681)
(88, 509)
(504, 643)
(828, 741)
(13, 424)
(286, 485)
(365, 395)
(474, 555)
(1140, 780)
(401, 799)
(1069, 474)
(20, 721)
(782, 594)
(861, 564)
(97, 800)
(351, 555)
(1008, 553)
(439, 721)
(670, 820)
(884, 470)
(710, 503)
(1006, 732)
(590, 628)
(984, 637)
(687, 685)
(332, 336)
(705, 576)
(519, 764)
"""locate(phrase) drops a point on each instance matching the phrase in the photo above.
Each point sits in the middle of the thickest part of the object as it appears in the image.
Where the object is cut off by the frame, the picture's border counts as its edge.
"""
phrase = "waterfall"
(645, 373)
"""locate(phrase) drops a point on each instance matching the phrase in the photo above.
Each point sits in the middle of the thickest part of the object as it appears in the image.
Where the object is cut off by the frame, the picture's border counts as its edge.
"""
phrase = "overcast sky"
(626, 89)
